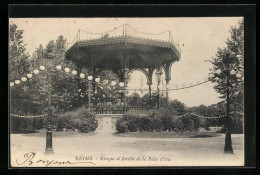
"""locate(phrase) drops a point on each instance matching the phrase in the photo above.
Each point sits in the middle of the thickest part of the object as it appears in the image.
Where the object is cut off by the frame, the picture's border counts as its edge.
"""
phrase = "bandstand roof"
(104, 53)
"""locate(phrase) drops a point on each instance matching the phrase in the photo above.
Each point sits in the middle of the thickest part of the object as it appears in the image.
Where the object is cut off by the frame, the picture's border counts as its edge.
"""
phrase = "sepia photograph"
(126, 92)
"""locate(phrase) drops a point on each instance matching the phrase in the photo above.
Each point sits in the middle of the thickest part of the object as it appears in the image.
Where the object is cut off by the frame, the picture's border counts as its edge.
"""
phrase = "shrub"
(145, 124)
(80, 119)
(121, 126)
(39, 123)
(156, 124)
(159, 120)
(133, 123)
(238, 128)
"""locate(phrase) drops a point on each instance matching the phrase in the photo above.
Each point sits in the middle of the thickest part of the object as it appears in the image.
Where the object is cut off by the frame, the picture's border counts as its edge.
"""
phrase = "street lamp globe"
(239, 56)
(121, 84)
(42, 67)
(17, 81)
(29, 75)
(218, 71)
(67, 69)
(36, 71)
(232, 72)
(82, 75)
(23, 78)
(74, 72)
(90, 77)
(58, 67)
(238, 75)
(11, 84)
(211, 75)
(105, 82)
(97, 79)
(232, 53)
(113, 83)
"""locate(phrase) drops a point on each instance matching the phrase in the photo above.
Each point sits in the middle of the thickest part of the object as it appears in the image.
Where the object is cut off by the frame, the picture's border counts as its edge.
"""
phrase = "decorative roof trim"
(127, 39)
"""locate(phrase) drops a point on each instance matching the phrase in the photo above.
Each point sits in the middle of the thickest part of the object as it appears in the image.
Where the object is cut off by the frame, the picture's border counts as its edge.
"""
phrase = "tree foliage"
(18, 64)
(228, 68)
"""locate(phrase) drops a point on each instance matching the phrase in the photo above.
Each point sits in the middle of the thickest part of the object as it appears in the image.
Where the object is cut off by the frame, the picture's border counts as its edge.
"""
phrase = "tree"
(64, 89)
(134, 100)
(18, 65)
(214, 110)
(227, 74)
(177, 107)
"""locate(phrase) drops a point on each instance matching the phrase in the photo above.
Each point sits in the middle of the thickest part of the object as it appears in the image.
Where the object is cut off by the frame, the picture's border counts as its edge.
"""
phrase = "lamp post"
(122, 84)
(48, 148)
(227, 73)
(90, 78)
(158, 76)
(125, 72)
(89, 91)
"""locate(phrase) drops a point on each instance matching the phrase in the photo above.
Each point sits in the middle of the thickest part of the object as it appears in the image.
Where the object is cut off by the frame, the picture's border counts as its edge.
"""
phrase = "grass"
(168, 134)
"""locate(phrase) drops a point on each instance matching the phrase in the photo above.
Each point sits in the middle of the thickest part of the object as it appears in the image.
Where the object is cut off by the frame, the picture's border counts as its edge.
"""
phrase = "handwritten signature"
(29, 158)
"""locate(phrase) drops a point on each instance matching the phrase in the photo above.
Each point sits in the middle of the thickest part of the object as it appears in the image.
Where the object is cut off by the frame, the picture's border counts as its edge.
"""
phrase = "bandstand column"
(124, 60)
(167, 92)
(150, 82)
(150, 94)
(167, 79)
(90, 73)
(158, 77)
(125, 74)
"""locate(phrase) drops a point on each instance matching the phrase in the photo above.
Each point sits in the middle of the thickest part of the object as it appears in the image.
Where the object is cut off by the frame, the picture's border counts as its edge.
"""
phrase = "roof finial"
(124, 30)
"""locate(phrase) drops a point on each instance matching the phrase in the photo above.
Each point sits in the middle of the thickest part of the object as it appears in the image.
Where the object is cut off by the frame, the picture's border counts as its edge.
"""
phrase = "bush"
(121, 125)
(39, 123)
(80, 119)
(179, 126)
(159, 120)
(238, 128)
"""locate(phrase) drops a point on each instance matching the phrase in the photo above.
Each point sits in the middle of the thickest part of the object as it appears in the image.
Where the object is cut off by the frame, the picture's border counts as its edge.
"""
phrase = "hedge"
(157, 121)
(80, 120)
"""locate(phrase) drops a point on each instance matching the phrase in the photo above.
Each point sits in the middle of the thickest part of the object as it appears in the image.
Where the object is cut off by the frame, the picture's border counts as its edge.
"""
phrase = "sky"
(198, 38)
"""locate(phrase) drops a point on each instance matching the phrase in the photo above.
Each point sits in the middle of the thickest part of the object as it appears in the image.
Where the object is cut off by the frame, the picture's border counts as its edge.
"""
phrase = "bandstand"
(124, 54)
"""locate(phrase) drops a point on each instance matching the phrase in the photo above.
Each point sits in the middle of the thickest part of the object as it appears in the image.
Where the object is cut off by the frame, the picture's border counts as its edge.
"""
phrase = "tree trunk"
(228, 143)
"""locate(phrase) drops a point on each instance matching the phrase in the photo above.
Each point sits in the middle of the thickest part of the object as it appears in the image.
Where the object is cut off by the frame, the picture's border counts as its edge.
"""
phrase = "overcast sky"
(198, 38)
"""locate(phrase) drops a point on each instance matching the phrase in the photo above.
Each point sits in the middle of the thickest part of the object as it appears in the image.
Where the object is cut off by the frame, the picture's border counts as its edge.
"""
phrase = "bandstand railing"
(140, 108)
(119, 110)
